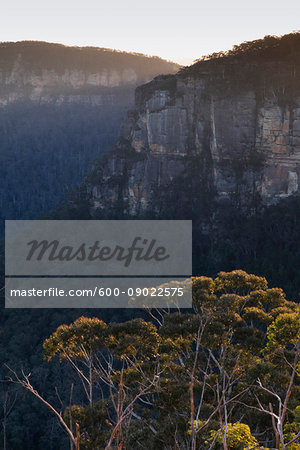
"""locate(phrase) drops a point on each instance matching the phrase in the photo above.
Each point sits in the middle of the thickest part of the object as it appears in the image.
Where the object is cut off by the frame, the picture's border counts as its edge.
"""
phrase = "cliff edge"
(226, 128)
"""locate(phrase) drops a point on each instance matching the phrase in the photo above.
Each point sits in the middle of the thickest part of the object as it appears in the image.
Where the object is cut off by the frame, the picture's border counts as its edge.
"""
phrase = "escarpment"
(42, 72)
(226, 128)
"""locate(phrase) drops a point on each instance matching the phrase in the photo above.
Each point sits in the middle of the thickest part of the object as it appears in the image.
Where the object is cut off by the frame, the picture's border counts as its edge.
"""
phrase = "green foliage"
(239, 281)
(137, 338)
(93, 423)
(284, 331)
(292, 429)
(239, 331)
(238, 437)
(72, 340)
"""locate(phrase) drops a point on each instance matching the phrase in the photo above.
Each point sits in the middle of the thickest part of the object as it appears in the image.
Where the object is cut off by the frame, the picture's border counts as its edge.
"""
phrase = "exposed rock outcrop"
(42, 72)
(231, 123)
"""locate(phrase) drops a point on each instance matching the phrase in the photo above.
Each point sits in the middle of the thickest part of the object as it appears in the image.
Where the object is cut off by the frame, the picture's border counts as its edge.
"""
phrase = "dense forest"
(223, 375)
(268, 48)
(46, 149)
(37, 56)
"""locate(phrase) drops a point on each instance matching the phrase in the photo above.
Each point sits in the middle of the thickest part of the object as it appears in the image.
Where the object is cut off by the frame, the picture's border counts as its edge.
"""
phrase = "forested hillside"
(60, 107)
(45, 150)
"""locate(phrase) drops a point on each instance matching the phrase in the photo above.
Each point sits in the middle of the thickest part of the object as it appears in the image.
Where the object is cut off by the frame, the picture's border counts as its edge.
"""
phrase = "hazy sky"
(177, 30)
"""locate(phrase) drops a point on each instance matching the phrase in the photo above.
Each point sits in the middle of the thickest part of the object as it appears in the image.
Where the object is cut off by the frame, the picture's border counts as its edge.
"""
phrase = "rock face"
(230, 124)
(42, 72)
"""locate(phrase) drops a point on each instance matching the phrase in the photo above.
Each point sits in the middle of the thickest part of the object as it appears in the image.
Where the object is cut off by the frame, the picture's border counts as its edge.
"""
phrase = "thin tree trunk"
(277, 437)
(90, 382)
(77, 439)
(70, 415)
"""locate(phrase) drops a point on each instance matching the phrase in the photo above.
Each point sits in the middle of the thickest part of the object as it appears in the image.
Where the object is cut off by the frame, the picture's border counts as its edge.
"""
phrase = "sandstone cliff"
(43, 72)
(231, 123)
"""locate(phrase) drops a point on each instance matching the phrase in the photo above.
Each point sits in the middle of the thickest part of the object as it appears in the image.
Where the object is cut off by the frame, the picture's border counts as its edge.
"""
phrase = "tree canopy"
(223, 375)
